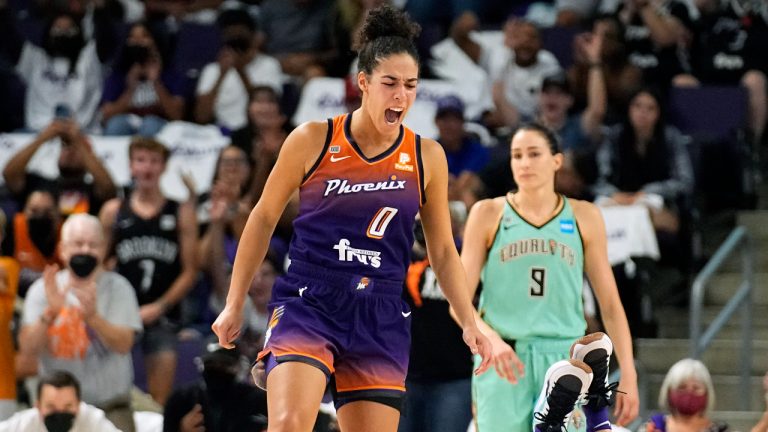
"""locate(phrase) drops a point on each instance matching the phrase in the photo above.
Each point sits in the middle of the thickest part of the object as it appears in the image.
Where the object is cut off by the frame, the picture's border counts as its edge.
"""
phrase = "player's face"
(533, 164)
(390, 91)
(146, 167)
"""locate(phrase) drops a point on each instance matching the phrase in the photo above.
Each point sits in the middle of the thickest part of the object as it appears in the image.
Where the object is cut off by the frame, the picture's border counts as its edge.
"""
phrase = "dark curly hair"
(386, 31)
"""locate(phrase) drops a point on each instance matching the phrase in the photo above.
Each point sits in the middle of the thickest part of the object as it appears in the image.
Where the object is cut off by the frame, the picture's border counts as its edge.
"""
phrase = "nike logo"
(406, 315)
(599, 427)
(301, 291)
(336, 159)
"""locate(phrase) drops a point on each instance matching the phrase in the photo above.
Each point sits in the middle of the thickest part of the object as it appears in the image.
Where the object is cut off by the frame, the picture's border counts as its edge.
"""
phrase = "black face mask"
(136, 54)
(42, 232)
(65, 46)
(238, 43)
(218, 381)
(83, 264)
(59, 421)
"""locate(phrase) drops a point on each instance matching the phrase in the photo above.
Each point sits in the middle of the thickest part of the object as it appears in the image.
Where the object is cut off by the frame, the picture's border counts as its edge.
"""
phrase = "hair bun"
(386, 21)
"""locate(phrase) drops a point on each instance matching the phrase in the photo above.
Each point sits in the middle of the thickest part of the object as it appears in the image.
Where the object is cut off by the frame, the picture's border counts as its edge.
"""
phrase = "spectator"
(518, 80)
(573, 13)
(144, 92)
(59, 409)
(65, 71)
(9, 281)
(83, 183)
(644, 161)
(440, 368)
(162, 12)
(262, 139)
(83, 320)
(33, 238)
(621, 77)
(224, 86)
(220, 401)
(299, 35)
(154, 240)
(465, 154)
(652, 30)
(349, 19)
(687, 395)
(267, 126)
(728, 49)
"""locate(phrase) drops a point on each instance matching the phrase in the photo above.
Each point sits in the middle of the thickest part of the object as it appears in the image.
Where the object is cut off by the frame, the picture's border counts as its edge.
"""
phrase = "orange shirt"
(25, 251)
(9, 281)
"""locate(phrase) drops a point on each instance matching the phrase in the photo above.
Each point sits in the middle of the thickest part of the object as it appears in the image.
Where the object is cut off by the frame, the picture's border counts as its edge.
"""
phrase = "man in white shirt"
(225, 86)
(59, 409)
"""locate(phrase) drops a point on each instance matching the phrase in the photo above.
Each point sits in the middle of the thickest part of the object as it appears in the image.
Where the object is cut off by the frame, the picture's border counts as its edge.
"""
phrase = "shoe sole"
(577, 369)
(590, 343)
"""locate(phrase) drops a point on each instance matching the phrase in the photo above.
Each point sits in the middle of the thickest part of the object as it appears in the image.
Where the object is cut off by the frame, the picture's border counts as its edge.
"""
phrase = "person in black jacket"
(220, 401)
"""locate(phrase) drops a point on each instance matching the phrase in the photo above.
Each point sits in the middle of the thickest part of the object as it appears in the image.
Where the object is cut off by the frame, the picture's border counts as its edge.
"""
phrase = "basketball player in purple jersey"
(337, 315)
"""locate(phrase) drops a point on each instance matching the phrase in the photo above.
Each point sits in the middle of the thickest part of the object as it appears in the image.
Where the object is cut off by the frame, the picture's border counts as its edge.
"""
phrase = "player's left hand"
(627, 401)
(478, 344)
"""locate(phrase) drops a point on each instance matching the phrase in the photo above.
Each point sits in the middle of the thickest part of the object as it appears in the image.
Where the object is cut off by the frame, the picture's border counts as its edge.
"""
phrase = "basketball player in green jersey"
(531, 248)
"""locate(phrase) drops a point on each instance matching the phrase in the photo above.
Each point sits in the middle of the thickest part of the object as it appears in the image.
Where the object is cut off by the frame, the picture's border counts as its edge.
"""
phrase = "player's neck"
(536, 203)
(366, 135)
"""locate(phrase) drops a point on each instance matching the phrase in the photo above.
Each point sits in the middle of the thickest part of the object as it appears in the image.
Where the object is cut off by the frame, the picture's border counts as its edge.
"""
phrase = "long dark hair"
(163, 44)
(635, 170)
(386, 31)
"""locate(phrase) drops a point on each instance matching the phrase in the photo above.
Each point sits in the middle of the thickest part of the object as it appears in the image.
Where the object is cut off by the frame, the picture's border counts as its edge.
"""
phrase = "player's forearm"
(618, 329)
(250, 253)
(452, 280)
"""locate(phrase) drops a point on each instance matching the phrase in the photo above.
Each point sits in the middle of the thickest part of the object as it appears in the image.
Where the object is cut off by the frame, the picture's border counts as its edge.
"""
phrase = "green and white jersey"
(533, 277)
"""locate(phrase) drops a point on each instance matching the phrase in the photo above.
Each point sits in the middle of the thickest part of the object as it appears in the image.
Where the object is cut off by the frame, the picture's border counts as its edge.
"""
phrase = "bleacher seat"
(559, 41)
(196, 46)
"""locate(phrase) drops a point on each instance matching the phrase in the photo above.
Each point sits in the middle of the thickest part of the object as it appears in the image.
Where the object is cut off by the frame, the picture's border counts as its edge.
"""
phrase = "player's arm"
(297, 155)
(479, 231)
(592, 229)
(474, 249)
(441, 248)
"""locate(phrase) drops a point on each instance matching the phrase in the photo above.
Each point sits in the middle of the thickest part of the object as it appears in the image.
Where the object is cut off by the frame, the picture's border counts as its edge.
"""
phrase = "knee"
(754, 81)
(290, 421)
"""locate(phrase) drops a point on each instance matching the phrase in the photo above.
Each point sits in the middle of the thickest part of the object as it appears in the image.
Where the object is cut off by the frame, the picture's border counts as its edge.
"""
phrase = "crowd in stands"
(110, 273)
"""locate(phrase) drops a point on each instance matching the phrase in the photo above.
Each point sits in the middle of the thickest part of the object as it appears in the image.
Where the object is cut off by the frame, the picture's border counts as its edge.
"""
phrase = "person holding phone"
(143, 93)
(225, 85)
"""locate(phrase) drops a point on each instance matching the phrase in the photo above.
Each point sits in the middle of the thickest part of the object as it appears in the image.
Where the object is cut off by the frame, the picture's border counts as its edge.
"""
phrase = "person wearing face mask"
(64, 69)
(687, 395)
(32, 237)
(83, 319)
(144, 91)
(220, 401)
(224, 85)
(83, 183)
(59, 409)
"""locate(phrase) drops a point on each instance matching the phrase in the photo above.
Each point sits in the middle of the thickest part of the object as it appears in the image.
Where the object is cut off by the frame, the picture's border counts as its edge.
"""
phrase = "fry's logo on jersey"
(343, 187)
(348, 254)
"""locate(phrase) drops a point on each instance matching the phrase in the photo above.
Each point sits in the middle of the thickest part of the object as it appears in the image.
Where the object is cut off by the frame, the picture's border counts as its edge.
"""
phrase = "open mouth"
(392, 115)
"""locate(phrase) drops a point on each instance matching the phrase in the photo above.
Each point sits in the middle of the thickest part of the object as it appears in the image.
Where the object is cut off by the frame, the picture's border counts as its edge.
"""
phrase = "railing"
(700, 341)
